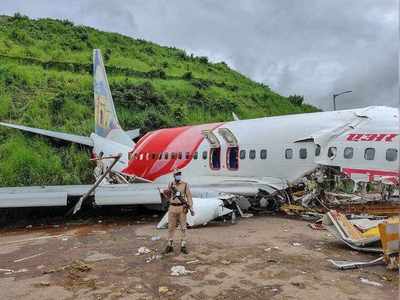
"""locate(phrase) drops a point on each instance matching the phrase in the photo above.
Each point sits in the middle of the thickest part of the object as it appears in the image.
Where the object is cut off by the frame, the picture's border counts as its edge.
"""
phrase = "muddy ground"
(264, 257)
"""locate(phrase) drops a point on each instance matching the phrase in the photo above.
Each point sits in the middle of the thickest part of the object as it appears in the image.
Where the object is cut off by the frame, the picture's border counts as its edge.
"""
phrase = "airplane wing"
(83, 140)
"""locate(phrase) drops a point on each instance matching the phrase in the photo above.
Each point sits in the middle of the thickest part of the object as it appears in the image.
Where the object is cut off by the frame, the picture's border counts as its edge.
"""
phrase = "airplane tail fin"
(106, 120)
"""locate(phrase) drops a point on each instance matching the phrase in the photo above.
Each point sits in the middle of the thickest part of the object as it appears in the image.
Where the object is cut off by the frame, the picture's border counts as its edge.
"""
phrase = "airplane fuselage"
(283, 147)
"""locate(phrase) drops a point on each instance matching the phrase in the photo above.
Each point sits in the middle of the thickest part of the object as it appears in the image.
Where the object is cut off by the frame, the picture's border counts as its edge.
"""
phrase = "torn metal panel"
(365, 224)
(342, 229)
(347, 265)
(206, 210)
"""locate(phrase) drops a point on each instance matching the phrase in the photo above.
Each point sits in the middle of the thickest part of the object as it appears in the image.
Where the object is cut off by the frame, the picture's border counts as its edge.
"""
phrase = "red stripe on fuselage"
(391, 175)
(180, 139)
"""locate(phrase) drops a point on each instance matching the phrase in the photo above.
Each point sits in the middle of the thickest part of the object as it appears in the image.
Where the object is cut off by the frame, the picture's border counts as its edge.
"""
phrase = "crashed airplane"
(239, 164)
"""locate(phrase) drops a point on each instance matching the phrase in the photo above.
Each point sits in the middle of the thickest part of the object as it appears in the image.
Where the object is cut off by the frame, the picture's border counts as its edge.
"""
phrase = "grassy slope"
(46, 82)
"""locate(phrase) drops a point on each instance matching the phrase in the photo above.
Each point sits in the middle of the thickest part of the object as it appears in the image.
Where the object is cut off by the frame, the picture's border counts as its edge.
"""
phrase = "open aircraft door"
(232, 150)
(215, 149)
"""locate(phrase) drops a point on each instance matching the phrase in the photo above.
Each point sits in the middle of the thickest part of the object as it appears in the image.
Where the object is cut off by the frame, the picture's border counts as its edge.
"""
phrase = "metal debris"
(151, 258)
(341, 228)
(347, 265)
(367, 281)
(143, 250)
(29, 257)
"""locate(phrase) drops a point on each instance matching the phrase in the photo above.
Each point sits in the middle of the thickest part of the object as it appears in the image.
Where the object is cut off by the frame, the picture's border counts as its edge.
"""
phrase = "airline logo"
(371, 137)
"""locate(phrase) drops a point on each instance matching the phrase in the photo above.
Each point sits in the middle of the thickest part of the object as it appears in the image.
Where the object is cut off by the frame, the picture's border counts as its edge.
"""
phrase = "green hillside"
(46, 82)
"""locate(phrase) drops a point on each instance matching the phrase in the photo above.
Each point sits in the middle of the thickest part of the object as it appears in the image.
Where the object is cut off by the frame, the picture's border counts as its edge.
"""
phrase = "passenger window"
(303, 153)
(166, 155)
(173, 155)
(179, 155)
(332, 152)
(196, 155)
(160, 155)
(391, 154)
(204, 155)
(369, 154)
(348, 153)
(153, 156)
(289, 153)
(141, 156)
(252, 154)
(187, 155)
(263, 154)
(317, 150)
(242, 154)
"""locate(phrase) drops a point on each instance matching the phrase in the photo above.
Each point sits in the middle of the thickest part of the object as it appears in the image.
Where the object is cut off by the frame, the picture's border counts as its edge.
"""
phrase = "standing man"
(180, 201)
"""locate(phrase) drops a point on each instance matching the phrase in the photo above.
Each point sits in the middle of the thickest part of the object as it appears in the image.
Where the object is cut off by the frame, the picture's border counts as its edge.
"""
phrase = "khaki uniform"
(176, 211)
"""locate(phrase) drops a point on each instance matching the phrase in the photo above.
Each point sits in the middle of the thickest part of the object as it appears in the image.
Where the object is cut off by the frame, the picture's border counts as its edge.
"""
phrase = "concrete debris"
(296, 244)
(143, 250)
(347, 265)
(179, 270)
(155, 238)
(367, 281)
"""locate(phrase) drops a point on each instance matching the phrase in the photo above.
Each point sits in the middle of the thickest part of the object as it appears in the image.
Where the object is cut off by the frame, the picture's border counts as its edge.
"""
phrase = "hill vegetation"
(46, 82)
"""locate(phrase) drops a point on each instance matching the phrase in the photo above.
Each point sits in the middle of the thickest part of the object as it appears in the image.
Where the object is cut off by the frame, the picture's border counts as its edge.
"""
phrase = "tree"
(296, 99)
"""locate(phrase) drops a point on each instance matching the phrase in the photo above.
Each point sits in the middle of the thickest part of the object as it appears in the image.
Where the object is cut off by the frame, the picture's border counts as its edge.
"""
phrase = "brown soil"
(254, 259)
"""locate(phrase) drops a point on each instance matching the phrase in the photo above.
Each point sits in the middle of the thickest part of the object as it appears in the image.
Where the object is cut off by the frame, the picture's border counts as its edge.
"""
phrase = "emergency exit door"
(215, 149)
(232, 150)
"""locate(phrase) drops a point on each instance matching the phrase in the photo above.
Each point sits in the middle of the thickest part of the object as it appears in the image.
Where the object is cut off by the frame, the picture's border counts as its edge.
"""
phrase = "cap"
(177, 172)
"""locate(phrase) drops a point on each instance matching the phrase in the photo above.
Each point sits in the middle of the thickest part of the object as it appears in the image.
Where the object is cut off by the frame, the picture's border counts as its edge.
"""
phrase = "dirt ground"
(258, 258)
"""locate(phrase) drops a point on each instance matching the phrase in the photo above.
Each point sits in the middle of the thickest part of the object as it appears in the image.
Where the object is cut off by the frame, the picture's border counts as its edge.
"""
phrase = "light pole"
(336, 95)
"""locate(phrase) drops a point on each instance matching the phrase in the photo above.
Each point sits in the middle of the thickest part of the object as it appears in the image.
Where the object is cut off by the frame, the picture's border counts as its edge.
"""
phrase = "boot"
(169, 248)
(184, 250)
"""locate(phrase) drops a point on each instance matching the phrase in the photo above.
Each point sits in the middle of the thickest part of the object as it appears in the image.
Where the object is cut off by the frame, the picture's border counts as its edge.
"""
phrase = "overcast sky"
(308, 47)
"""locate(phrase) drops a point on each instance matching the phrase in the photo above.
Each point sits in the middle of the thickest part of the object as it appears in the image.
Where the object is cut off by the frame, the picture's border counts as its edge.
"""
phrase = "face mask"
(178, 177)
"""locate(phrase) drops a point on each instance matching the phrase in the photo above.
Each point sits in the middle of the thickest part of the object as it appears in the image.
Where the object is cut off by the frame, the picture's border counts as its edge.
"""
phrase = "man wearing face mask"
(180, 202)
